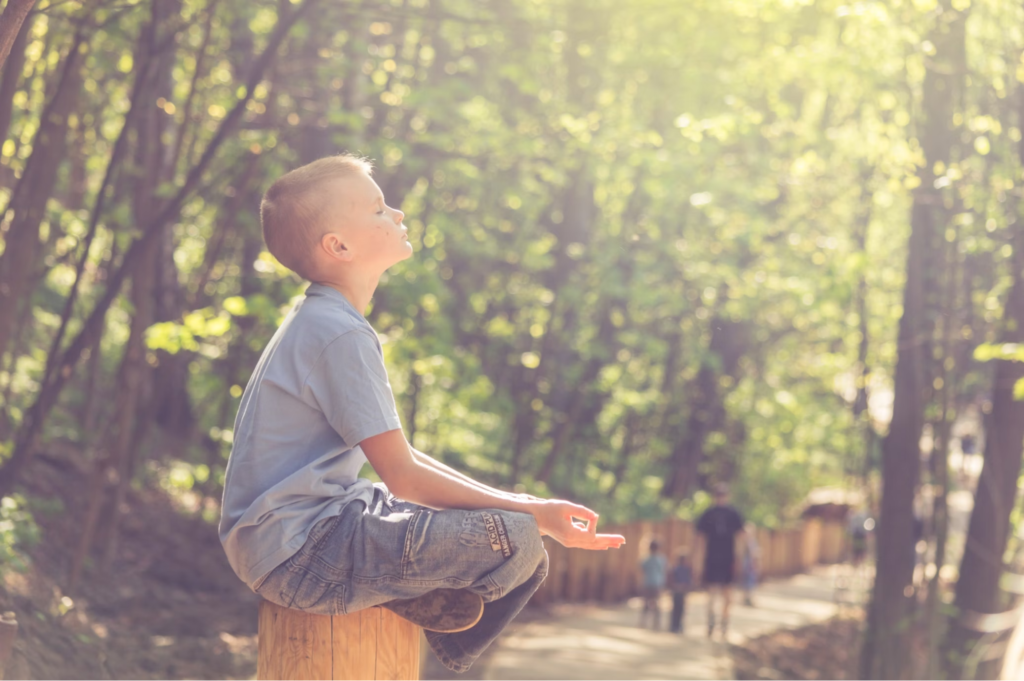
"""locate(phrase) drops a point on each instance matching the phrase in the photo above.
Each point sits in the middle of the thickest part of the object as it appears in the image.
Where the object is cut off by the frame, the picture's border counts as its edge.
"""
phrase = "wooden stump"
(8, 632)
(371, 644)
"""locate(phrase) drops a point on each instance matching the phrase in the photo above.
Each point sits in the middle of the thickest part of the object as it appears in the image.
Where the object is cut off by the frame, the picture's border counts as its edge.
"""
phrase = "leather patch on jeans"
(497, 534)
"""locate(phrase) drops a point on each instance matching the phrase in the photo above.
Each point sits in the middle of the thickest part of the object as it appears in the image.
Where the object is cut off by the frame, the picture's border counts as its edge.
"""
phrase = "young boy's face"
(371, 230)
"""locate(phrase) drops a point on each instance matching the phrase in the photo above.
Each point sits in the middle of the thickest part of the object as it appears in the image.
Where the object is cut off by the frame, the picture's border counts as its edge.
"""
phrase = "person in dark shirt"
(717, 529)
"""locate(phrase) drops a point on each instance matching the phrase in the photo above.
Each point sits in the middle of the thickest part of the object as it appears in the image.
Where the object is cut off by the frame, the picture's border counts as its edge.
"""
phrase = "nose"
(399, 216)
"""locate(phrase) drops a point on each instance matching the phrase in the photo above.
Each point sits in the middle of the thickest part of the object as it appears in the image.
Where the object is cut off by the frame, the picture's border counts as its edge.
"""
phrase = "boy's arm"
(408, 477)
(430, 461)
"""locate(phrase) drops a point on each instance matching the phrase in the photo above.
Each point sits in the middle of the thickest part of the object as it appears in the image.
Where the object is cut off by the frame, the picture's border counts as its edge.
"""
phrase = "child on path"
(680, 581)
(653, 569)
(298, 526)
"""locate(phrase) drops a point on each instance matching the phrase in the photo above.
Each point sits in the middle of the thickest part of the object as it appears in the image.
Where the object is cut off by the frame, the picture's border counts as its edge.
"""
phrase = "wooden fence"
(575, 575)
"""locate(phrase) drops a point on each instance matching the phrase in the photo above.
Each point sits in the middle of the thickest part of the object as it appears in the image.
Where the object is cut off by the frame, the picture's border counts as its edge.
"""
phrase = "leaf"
(236, 306)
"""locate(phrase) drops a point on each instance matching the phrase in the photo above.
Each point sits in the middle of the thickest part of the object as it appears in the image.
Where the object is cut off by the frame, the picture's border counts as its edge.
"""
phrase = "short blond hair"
(293, 209)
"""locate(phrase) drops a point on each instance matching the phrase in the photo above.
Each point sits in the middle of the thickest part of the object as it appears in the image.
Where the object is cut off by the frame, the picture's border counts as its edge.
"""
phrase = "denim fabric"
(391, 549)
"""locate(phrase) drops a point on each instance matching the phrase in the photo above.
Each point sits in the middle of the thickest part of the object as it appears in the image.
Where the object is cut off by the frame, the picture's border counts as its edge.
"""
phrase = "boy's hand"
(556, 519)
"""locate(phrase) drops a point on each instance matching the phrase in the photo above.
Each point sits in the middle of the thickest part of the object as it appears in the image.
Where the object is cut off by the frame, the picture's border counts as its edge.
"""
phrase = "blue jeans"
(393, 549)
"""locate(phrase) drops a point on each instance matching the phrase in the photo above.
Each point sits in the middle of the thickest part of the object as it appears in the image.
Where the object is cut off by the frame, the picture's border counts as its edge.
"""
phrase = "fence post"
(374, 643)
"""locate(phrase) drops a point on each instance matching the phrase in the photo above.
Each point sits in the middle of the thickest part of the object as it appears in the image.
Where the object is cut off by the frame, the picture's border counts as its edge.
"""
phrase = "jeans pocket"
(320, 533)
(315, 595)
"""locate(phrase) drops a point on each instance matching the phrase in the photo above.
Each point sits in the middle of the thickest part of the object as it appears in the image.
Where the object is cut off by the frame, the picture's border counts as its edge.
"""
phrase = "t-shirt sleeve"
(702, 522)
(350, 385)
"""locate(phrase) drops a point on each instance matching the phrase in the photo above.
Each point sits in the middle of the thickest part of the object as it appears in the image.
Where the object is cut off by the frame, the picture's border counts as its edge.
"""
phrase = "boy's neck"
(357, 290)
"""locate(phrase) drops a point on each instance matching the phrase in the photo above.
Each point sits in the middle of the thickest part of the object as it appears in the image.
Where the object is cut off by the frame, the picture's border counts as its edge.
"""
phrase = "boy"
(297, 524)
(653, 569)
(680, 581)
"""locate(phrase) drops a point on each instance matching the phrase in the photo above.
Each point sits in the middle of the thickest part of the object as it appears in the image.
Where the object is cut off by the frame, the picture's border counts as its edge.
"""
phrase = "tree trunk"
(730, 341)
(940, 461)
(12, 76)
(21, 256)
(884, 654)
(134, 394)
(977, 588)
(10, 23)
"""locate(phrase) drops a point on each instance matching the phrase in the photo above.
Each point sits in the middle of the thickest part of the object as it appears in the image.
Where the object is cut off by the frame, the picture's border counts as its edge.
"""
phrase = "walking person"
(680, 581)
(751, 563)
(653, 568)
(717, 529)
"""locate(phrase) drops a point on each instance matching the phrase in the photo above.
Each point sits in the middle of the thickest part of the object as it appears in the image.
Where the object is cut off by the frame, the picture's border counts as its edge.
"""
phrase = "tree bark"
(11, 21)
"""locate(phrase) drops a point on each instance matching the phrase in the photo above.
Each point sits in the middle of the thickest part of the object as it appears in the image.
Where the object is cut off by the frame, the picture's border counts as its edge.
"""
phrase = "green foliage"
(1013, 352)
(986, 352)
(645, 233)
(18, 531)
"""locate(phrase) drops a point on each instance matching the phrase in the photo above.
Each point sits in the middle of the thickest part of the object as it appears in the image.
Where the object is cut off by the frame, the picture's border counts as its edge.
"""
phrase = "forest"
(658, 245)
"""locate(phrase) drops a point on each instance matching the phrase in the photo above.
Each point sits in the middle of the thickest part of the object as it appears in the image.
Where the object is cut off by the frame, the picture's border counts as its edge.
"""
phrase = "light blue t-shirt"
(319, 389)
(654, 571)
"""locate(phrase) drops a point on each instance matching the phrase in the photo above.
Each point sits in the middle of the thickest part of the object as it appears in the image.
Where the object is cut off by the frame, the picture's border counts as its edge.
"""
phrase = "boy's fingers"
(582, 512)
(595, 542)
(604, 541)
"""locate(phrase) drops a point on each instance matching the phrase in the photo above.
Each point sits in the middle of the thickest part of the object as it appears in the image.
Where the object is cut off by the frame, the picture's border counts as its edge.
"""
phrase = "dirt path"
(591, 642)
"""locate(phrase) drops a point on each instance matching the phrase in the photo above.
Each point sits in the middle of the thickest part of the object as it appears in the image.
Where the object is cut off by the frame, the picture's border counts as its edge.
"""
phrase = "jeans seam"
(407, 549)
(446, 657)
(497, 588)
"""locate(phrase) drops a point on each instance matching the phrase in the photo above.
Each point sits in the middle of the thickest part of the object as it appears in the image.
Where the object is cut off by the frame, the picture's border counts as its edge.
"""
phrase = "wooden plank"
(293, 644)
(354, 639)
(387, 646)
(408, 649)
(375, 643)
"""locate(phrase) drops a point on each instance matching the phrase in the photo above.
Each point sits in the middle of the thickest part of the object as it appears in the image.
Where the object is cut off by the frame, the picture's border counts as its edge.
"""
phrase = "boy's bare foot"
(446, 611)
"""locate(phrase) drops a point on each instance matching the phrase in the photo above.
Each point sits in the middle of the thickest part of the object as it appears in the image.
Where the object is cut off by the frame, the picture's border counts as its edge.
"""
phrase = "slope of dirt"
(168, 607)
(819, 651)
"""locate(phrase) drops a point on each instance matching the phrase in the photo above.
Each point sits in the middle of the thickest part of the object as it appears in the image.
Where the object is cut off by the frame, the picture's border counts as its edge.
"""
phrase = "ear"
(333, 245)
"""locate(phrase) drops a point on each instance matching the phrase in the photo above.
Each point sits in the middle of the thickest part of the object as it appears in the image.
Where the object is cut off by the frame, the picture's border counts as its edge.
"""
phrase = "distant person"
(653, 568)
(968, 448)
(680, 581)
(717, 529)
(751, 563)
(859, 527)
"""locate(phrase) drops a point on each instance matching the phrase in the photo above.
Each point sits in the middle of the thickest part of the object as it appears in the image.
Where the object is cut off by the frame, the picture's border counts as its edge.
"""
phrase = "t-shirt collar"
(315, 289)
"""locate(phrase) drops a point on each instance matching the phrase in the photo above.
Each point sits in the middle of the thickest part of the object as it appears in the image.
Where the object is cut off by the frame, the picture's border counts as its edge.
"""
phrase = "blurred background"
(659, 245)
